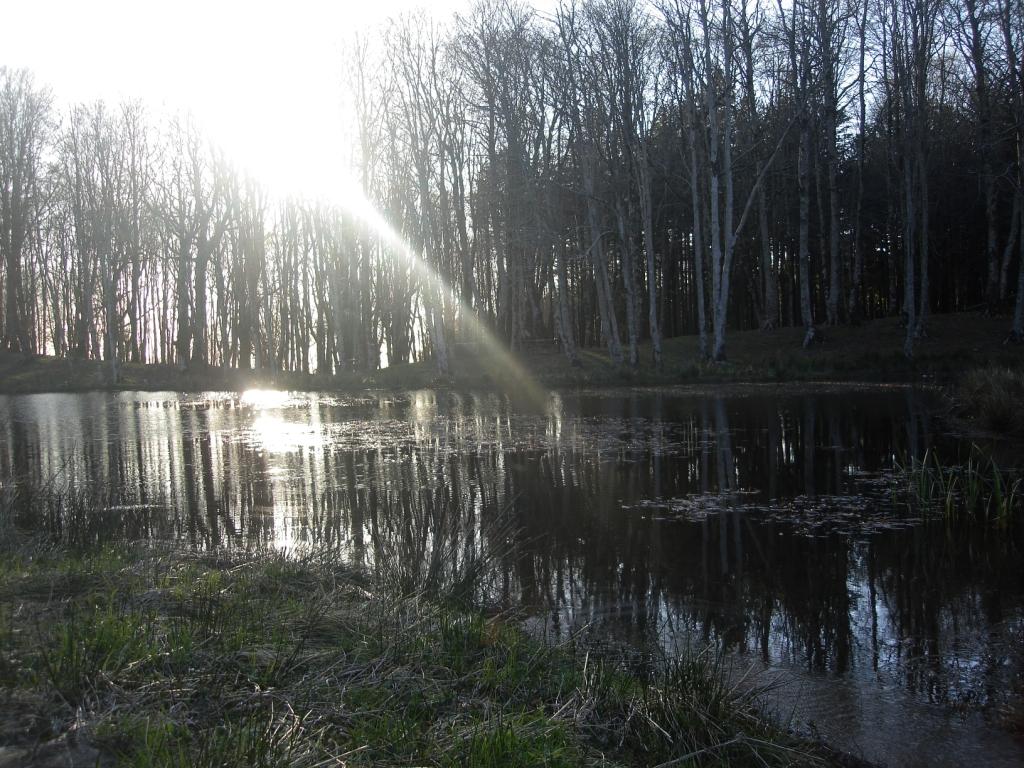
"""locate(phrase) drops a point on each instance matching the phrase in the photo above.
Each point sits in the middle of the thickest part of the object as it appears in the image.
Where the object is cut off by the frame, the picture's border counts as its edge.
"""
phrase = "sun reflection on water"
(265, 398)
(276, 435)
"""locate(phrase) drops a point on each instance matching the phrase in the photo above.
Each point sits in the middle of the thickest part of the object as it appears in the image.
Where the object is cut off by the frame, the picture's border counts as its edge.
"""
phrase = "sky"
(263, 79)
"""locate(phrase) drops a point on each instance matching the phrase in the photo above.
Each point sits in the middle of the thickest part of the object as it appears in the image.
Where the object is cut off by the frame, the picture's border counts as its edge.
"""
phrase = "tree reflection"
(546, 511)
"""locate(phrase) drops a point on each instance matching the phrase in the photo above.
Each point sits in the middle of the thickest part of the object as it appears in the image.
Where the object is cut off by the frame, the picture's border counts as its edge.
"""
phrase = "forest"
(606, 174)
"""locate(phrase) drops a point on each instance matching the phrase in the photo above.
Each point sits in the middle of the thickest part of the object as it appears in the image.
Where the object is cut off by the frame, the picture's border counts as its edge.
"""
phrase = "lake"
(766, 522)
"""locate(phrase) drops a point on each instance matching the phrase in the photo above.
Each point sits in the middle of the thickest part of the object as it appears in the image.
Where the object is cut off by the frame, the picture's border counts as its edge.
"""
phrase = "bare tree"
(972, 31)
(857, 268)
(24, 131)
(831, 17)
(912, 33)
(584, 176)
(585, 114)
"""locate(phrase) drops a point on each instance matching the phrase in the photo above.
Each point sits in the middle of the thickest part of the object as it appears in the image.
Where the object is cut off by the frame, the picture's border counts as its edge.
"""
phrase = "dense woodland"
(607, 174)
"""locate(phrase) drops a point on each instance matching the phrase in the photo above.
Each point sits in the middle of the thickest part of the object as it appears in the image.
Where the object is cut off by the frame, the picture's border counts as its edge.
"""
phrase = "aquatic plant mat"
(152, 656)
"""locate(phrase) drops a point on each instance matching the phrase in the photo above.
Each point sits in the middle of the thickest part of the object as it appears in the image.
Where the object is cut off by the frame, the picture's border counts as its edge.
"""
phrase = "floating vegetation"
(867, 508)
(697, 507)
(852, 515)
(978, 488)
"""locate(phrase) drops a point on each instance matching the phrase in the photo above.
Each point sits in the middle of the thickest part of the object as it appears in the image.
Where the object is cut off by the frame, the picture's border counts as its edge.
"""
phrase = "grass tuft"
(977, 489)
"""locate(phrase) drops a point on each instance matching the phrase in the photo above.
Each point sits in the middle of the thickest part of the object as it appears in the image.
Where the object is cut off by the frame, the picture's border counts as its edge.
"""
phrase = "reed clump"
(976, 489)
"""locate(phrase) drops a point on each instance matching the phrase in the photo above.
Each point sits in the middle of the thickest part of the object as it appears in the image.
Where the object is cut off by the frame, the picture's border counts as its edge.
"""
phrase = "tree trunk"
(921, 329)
(698, 256)
(566, 335)
(835, 268)
(183, 340)
(908, 254)
(769, 279)
(1011, 241)
(854, 306)
(605, 305)
(1017, 332)
(199, 332)
(647, 217)
(804, 252)
(629, 284)
(13, 339)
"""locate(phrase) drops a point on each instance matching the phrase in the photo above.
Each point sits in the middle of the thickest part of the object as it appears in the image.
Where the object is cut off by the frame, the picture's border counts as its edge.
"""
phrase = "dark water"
(762, 521)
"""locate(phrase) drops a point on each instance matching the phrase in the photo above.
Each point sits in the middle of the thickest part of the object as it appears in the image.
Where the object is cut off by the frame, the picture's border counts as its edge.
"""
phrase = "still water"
(763, 521)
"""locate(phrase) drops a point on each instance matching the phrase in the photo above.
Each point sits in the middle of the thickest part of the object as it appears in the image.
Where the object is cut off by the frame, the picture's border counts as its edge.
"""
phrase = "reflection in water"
(763, 524)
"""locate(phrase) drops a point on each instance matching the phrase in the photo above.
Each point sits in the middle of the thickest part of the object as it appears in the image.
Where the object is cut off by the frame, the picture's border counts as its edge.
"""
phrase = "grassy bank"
(869, 352)
(151, 656)
(992, 399)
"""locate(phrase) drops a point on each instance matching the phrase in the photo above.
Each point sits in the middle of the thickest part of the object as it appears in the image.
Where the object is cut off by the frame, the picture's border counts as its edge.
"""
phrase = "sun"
(264, 81)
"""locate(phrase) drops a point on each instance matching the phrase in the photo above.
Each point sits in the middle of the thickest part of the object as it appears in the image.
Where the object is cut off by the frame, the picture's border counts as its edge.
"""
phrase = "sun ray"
(492, 355)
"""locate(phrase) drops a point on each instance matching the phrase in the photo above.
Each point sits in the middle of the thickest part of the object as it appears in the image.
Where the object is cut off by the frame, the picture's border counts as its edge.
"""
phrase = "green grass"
(160, 657)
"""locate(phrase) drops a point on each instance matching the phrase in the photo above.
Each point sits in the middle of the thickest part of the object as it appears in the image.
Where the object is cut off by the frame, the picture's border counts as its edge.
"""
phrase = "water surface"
(763, 521)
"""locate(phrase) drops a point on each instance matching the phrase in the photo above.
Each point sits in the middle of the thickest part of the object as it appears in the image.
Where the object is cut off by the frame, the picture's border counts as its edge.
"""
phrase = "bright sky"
(263, 78)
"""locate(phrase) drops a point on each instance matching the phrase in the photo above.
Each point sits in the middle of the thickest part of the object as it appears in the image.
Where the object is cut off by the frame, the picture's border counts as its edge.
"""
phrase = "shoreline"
(870, 353)
(150, 655)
